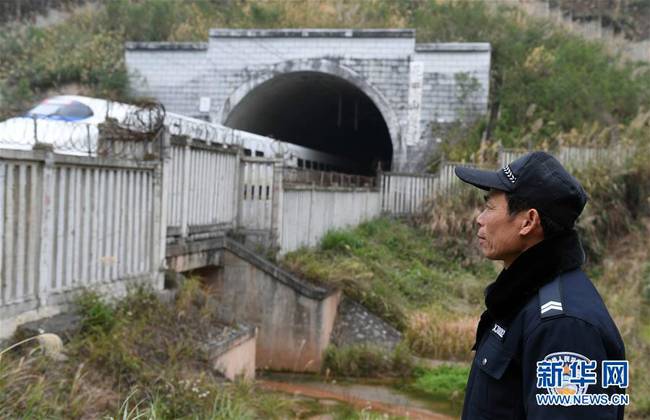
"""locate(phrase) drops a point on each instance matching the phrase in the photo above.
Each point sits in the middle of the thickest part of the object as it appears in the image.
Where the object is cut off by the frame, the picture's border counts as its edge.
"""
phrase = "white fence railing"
(403, 193)
(578, 157)
(256, 193)
(202, 188)
(574, 156)
(68, 222)
(308, 213)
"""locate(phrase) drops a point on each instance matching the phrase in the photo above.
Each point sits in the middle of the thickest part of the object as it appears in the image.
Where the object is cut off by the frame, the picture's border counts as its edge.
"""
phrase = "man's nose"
(479, 219)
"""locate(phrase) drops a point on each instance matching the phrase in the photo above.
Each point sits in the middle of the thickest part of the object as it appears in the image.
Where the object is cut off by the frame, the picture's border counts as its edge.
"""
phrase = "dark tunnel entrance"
(319, 111)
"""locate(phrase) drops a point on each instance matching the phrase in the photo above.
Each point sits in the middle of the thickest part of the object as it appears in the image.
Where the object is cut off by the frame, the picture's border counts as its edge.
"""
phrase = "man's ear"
(530, 222)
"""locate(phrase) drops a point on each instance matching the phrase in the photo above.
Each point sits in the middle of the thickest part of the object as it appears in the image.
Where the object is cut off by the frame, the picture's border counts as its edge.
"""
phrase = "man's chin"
(485, 253)
(490, 256)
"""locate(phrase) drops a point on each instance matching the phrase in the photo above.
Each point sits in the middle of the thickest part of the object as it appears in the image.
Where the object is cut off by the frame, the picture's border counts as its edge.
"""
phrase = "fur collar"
(537, 266)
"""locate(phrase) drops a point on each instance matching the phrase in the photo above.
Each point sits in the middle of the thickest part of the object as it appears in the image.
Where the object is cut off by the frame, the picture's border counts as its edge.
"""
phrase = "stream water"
(381, 397)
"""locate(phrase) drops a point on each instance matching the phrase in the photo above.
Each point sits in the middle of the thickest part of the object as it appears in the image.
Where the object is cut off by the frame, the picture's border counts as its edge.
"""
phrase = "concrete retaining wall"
(294, 318)
(235, 358)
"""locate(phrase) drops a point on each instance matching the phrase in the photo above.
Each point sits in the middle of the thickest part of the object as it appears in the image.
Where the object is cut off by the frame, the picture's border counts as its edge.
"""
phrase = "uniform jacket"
(520, 327)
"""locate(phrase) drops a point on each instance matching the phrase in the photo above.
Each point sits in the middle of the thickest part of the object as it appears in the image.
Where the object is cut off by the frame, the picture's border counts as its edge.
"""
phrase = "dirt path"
(360, 396)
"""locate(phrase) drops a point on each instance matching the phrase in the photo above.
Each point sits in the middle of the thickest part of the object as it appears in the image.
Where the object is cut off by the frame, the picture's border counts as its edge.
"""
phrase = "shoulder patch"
(550, 299)
(551, 305)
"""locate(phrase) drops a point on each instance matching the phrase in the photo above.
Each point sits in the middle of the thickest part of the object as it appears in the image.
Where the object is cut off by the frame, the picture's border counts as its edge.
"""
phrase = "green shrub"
(341, 240)
(97, 315)
(393, 268)
(444, 382)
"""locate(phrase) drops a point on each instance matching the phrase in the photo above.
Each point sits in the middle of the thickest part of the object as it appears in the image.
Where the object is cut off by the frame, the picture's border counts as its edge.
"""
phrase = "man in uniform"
(546, 343)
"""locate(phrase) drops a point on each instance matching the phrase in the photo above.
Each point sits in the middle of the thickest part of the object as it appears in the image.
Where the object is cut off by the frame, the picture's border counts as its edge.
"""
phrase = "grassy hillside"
(544, 82)
(398, 271)
(630, 17)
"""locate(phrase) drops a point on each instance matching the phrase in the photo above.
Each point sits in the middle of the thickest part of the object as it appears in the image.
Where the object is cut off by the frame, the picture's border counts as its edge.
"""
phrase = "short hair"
(549, 226)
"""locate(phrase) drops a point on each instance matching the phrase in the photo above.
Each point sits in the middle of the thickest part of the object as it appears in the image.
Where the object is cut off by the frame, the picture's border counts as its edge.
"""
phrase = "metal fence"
(126, 133)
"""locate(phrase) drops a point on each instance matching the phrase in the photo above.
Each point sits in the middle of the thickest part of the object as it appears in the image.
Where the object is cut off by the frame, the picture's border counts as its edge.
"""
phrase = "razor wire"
(205, 131)
(128, 132)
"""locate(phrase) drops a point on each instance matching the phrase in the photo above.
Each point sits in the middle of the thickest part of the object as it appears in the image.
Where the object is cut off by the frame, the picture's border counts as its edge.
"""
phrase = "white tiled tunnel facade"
(372, 92)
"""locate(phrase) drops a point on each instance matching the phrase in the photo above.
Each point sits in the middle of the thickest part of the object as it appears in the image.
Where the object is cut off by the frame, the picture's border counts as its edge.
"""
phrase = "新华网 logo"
(566, 376)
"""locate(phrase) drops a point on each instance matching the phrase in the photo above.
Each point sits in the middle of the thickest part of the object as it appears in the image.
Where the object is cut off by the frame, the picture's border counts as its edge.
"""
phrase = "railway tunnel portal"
(316, 109)
(372, 94)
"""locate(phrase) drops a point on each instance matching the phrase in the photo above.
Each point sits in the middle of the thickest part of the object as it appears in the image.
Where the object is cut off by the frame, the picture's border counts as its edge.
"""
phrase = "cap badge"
(508, 172)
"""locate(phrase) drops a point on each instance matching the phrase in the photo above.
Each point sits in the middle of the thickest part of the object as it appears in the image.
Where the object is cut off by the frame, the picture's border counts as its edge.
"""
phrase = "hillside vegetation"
(544, 81)
(427, 277)
(141, 358)
(629, 17)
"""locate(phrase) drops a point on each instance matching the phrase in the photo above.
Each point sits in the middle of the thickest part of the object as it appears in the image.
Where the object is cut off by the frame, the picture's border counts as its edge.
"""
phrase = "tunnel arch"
(308, 85)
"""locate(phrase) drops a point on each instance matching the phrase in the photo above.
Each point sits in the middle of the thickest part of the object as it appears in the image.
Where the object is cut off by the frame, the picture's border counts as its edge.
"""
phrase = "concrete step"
(232, 351)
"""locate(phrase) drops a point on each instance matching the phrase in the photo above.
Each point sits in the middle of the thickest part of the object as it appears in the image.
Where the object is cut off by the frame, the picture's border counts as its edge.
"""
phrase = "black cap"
(540, 180)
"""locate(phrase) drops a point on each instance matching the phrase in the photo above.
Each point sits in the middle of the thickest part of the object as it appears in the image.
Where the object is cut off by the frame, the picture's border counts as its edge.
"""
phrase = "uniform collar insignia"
(498, 330)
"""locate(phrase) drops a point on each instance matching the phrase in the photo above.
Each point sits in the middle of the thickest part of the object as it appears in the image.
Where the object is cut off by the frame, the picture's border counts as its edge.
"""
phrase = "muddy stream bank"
(382, 397)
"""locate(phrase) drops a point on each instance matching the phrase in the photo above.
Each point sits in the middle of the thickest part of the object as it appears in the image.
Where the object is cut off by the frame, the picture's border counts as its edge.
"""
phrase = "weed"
(444, 382)
(226, 407)
(368, 361)
(340, 240)
(97, 315)
(146, 363)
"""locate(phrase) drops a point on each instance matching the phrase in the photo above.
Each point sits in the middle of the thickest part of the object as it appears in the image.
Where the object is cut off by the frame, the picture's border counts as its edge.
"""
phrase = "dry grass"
(451, 219)
(439, 337)
(137, 359)
(622, 279)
